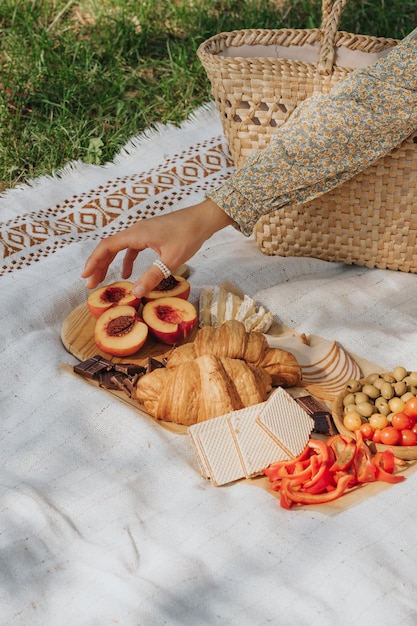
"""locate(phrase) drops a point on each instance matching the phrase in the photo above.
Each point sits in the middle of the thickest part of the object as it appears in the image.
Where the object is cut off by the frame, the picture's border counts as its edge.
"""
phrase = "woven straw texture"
(370, 220)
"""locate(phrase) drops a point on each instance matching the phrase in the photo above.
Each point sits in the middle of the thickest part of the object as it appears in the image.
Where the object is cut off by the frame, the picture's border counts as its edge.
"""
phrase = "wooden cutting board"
(77, 335)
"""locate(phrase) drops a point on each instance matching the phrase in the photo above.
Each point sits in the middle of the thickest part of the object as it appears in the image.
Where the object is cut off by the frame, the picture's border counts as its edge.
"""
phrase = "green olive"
(365, 409)
(412, 377)
(387, 391)
(354, 385)
(351, 408)
(399, 373)
(349, 399)
(407, 396)
(371, 391)
(389, 378)
(360, 396)
(382, 405)
(400, 388)
(371, 377)
(378, 382)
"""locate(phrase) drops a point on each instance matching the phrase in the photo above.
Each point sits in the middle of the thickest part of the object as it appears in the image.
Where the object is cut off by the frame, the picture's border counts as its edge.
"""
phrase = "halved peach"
(104, 298)
(171, 287)
(120, 331)
(171, 319)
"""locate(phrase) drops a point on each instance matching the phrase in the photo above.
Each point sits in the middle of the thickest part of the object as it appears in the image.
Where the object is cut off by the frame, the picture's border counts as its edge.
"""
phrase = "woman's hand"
(175, 237)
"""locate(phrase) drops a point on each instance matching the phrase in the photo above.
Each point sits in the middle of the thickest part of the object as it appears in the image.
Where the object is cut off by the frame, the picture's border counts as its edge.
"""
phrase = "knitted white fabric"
(105, 518)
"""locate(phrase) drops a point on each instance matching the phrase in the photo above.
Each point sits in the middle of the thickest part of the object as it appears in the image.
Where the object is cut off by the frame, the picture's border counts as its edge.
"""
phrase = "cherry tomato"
(408, 437)
(401, 421)
(366, 430)
(410, 407)
(413, 419)
(390, 436)
(376, 437)
(414, 428)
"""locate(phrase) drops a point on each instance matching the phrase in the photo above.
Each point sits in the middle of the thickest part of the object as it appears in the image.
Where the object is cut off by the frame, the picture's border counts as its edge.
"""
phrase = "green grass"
(78, 79)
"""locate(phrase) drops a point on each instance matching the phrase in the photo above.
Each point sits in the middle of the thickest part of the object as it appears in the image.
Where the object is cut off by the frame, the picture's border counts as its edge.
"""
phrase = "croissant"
(202, 388)
(233, 341)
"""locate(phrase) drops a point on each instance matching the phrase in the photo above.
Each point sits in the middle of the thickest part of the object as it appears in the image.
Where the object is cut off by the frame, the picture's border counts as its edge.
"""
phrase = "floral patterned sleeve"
(328, 139)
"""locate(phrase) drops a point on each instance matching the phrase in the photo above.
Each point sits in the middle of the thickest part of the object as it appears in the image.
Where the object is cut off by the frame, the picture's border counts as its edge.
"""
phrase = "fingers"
(149, 279)
(174, 237)
(128, 262)
(96, 266)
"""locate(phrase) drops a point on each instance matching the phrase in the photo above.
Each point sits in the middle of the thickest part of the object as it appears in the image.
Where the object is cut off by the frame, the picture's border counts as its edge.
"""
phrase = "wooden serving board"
(77, 335)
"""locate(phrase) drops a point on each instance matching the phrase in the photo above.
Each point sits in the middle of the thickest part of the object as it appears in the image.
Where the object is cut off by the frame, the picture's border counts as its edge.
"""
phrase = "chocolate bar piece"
(91, 368)
(153, 364)
(123, 383)
(323, 422)
(311, 405)
(115, 376)
(130, 369)
(110, 379)
(112, 376)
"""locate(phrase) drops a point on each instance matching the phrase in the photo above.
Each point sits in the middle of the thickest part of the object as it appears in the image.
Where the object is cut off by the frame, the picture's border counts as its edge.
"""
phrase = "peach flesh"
(170, 319)
(171, 287)
(168, 314)
(115, 294)
(118, 331)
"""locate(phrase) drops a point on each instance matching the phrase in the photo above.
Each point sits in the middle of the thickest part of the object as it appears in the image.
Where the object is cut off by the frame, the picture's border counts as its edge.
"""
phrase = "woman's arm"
(327, 140)
(175, 237)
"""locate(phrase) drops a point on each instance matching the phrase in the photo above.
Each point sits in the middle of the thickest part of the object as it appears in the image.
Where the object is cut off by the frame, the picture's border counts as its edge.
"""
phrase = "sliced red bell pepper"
(322, 481)
(272, 471)
(349, 471)
(364, 465)
(294, 495)
(338, 442)
(385, 460)
(344, 456)
(285, 500)
(294, 468)
(384, 465)
(321, 448)
(324, 470)
(300, 477)
(300, 466)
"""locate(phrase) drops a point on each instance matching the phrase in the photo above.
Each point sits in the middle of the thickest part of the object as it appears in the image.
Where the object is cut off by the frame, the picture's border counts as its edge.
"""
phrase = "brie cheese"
(217, 305)
(246, 309)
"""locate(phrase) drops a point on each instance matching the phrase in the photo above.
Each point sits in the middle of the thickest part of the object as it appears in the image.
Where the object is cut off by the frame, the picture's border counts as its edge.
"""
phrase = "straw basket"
(258, 78)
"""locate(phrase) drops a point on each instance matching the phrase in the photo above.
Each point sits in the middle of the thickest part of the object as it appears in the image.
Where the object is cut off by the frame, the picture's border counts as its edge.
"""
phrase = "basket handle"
(331, 15)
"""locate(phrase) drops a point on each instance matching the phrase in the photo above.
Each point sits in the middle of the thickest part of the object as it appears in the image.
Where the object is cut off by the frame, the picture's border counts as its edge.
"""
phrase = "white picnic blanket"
(104, 516)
